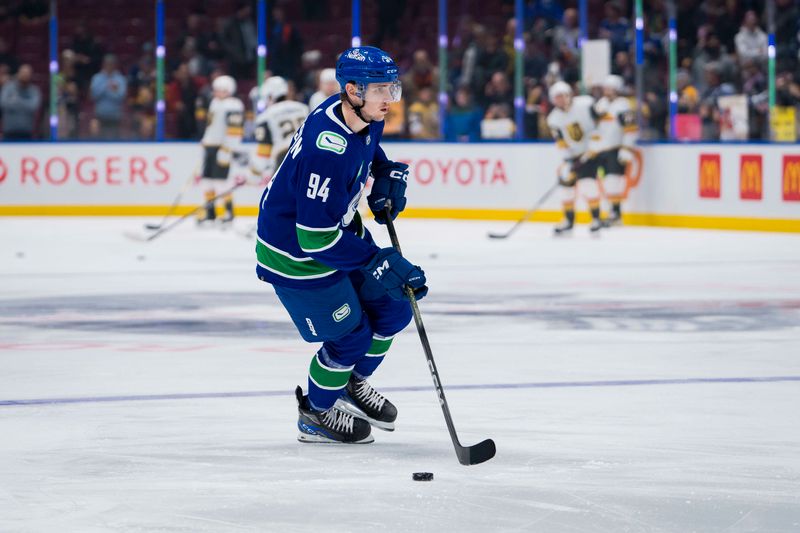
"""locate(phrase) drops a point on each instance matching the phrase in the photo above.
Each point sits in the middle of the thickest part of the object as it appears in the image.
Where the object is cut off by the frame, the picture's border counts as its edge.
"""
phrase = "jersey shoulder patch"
(331, 141)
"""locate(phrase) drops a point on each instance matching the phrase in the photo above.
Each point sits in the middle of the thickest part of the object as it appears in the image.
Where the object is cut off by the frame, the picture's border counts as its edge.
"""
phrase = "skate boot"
(209, 214)
(597, 223)
(333, 426)
(566, 225)
(364, 402)
(614, 216)
(227, 218)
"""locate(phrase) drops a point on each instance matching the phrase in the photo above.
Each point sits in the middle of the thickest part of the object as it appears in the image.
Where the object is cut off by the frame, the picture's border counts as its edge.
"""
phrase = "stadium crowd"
(106, 86)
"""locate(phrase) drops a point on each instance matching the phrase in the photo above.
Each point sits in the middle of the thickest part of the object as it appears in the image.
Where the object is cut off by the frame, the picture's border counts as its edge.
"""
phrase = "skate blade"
(319, 439)
(351, 409)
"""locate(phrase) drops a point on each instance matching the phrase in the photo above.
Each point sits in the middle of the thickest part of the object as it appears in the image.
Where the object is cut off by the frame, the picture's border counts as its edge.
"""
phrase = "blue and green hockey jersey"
(310, 233)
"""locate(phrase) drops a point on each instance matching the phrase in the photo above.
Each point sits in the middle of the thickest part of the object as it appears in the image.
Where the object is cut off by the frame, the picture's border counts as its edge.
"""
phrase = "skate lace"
(370, 396)
(338, 420)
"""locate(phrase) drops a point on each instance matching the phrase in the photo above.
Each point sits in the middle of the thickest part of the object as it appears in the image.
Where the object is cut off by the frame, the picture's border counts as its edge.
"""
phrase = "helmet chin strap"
(357, 108)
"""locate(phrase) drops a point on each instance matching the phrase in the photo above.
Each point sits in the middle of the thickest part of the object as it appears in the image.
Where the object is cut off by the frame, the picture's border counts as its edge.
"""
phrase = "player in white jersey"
(617, 132)
(572, 122)
(275, 126)
(222, 139)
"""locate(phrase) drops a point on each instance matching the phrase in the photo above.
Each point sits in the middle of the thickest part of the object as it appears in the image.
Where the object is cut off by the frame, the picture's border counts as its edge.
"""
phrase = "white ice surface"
(616, 376)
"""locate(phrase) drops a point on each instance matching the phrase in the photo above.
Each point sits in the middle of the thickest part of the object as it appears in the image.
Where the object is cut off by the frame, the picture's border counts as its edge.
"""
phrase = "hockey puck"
(422, 476)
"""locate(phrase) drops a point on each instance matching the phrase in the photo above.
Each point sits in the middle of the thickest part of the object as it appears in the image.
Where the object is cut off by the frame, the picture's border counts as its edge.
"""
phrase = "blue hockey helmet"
(363, 65)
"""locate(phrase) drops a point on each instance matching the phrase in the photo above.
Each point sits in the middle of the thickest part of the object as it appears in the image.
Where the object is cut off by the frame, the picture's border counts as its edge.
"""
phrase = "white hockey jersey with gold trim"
(573, 128)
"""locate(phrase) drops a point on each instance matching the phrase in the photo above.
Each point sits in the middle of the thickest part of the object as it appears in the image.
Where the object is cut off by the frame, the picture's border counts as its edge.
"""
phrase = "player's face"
(377, 98)
(610, 93)
(562, 101)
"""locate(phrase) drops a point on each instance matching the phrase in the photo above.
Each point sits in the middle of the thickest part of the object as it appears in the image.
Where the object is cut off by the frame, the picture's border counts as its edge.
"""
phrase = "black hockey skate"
(333, 426)
(596, 225)
(364, 402)
(564, 227)
(614, 218)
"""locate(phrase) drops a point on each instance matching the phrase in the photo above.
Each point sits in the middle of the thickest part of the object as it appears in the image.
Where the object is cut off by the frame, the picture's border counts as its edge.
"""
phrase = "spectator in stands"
(565, 37)
(181, 99)
(205, 43)
(751, 41)
(88, 55)
(20, 101)
(469, 74)
(491, 59)
(69, 98)
(420, 75)
(497, 123)
(328, 86)
(143, 72)
(423, 115)
(688, 97)
(141, 93)
(108, 90)
(240, 40)
(787, 90)
(498, 90)
(615, 28)
(190, 55)
(709, 111)
(624, 67)
(285, 47)
(463, 122)
(709, 49)
(535, 117)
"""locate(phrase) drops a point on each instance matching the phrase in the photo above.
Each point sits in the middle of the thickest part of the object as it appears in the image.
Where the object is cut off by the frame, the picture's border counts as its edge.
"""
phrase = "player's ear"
(351, 89)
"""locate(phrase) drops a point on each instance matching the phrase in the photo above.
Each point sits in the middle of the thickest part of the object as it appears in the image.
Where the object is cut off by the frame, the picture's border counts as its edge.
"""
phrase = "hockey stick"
(175, 202)
(467, 455)
(526, 216)
(164, 229)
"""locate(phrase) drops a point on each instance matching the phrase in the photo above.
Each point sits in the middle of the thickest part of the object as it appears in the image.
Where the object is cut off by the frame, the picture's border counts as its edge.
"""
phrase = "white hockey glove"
(625, 155)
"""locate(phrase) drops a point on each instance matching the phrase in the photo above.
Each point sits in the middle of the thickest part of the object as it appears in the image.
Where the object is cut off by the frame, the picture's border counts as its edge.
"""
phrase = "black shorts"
(588, 169)
(610, 162)
(212, 169)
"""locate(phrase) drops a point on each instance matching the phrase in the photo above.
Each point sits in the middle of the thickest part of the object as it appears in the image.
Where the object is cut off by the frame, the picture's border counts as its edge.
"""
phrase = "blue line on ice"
(486, 386)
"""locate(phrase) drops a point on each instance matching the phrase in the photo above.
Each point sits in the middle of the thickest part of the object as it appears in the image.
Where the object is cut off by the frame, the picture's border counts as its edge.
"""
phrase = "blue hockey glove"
(390, 181)
(389, 272)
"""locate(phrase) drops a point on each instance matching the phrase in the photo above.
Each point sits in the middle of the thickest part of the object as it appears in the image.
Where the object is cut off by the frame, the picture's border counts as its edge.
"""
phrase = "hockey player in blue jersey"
(338, 286)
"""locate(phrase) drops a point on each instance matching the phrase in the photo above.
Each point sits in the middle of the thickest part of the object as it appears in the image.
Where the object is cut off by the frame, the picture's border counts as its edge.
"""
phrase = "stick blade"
(138, 237)
(497, 235)
(476, 454)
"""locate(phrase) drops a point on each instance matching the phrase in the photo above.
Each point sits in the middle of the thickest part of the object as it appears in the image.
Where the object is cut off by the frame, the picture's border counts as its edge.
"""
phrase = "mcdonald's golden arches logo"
(791, 178)
(751, 180)
(710, 178)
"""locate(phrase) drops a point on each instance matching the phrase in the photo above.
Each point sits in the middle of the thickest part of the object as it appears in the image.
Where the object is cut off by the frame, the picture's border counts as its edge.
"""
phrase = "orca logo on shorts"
(341, 313)
(311, 327)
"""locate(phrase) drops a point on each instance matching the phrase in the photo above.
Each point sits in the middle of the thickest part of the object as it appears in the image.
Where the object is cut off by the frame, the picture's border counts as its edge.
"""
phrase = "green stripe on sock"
(328, 378)
(379, 346)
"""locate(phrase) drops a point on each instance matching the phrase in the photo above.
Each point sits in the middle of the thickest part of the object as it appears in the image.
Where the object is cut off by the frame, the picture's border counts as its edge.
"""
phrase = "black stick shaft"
(426, 346)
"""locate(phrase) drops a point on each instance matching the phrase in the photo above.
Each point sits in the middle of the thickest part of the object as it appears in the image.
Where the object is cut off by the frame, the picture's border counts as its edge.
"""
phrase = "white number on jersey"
(316, 190)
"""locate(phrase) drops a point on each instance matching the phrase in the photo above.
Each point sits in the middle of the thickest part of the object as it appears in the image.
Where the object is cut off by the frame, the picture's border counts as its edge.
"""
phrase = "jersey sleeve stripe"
(317, 240)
